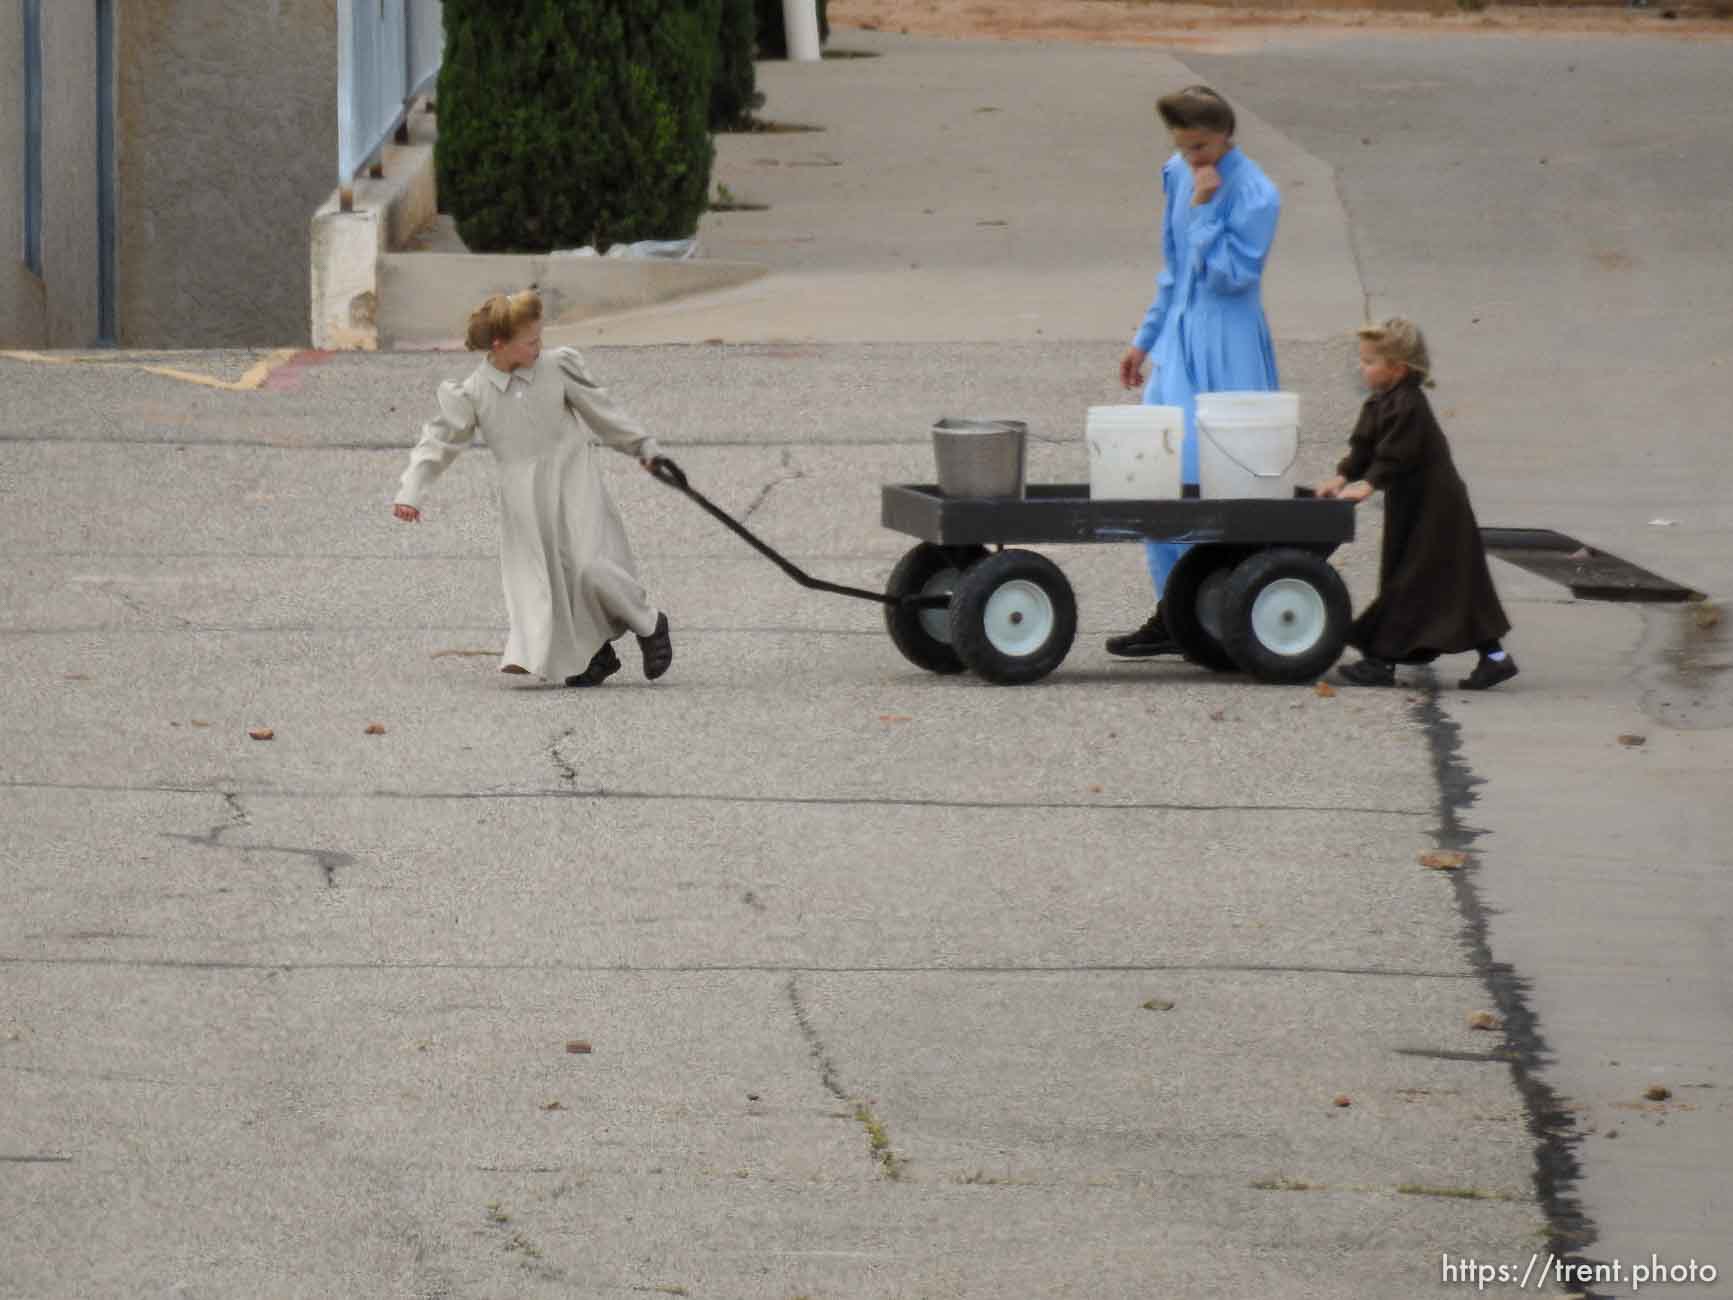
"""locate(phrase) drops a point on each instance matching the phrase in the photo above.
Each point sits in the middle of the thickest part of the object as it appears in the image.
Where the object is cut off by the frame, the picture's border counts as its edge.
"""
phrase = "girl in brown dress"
(1435, 592)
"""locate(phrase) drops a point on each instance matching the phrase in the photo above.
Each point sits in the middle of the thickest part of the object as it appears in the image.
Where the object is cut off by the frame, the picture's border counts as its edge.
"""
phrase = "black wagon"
(1255, 593)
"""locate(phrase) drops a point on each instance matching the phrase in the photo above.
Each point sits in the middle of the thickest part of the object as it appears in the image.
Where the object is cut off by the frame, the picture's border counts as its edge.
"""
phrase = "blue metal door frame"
(107, 197)
(33, 136)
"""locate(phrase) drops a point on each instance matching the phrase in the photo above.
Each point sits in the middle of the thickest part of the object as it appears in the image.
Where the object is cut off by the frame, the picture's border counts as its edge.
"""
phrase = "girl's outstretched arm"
(443, 439)
(599, 410)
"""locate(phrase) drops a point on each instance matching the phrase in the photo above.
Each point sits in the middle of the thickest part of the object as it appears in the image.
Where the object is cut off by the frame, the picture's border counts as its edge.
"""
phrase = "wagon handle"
(668, 472)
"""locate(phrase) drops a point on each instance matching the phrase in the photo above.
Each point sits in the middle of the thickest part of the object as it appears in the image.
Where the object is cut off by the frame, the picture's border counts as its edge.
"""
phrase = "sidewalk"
(1013, 193)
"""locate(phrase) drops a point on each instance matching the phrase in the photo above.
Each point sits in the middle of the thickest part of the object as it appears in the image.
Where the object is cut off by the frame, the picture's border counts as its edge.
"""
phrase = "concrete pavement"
(873, 964)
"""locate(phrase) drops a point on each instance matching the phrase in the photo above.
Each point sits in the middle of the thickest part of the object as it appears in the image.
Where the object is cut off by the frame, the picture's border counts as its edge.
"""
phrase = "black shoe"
(658, 649)
(1150, 639)
(1368, 672)
(1488, 673)
(603, 665)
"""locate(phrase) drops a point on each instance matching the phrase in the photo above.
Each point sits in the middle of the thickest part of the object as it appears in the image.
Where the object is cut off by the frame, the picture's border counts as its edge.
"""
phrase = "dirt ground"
(1144, 22)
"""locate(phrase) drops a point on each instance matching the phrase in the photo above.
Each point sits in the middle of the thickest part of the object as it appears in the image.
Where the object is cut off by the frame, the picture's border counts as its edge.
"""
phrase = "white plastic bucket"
(1134, 452)
(1247, 444)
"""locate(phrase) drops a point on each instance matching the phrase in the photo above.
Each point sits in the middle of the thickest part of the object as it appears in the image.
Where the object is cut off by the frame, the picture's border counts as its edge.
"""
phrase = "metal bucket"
(980, 458)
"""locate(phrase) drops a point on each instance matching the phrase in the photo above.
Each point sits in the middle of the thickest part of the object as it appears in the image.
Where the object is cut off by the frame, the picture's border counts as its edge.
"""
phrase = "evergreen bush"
(572, 122)
(773, 37)
(735, 93)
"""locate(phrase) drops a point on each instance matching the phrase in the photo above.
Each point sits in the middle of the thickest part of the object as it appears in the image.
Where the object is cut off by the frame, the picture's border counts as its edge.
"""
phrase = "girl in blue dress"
(1205, 332)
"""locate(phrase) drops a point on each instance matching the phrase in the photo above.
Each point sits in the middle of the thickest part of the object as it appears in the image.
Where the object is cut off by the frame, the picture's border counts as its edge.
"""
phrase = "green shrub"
(773, 37)
(735, 93)
(572, 122)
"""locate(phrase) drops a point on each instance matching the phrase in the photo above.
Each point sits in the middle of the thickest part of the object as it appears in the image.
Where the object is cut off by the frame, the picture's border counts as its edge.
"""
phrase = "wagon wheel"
(1013, 618)
(1285, 615)
(1191, 604)
(924, 635)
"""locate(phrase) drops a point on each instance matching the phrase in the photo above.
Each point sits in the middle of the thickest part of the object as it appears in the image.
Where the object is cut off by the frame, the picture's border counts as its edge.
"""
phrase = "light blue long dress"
(1205, 332)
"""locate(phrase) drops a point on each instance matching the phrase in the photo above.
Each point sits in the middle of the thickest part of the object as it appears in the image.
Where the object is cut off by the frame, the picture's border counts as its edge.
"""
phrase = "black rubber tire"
(974, 638)
(1317, 612)
(1179, 605)
(910, 578)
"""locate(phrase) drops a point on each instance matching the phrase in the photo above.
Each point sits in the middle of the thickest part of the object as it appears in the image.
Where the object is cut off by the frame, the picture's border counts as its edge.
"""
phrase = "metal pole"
(800, 25)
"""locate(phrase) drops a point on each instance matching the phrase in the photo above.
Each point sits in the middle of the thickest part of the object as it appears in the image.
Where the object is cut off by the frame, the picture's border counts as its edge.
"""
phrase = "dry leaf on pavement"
(1658, 1092)
(1484, 1020)
(1443, 859)
(260, 733)
(578, 1047)
(1630, 741)
(375, 729)
(1325, 690)
(1343, 1099)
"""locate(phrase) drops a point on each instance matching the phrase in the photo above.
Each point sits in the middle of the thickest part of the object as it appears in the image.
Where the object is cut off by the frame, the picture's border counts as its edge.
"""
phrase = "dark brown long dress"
(1435, 592)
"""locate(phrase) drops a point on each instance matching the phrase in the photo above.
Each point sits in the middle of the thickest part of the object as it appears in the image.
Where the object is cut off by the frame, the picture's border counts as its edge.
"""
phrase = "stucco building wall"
(227, 143)
(69, 180)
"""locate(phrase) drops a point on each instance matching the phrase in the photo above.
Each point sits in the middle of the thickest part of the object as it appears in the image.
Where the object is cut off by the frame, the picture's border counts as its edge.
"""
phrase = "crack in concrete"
(329, 861)
(815, 1045)
(1557, 1170)
(566, 771)
(237, 819)
(137, 606)
(878, 1137)
(765, 491)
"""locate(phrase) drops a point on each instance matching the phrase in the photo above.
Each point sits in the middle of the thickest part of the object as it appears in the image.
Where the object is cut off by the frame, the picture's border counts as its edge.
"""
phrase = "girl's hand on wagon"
(1331, 486)
(408, 514)
(1356, 491)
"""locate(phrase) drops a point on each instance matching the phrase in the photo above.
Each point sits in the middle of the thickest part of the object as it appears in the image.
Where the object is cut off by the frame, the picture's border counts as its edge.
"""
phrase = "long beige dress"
(570, 580)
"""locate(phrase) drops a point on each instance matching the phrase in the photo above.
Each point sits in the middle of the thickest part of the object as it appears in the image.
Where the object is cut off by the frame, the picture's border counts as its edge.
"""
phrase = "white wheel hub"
(936, 622)
(1019, 617)
(1289, 616)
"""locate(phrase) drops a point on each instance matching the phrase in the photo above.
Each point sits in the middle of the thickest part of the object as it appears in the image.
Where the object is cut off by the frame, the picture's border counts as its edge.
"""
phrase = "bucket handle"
(1202, 430)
